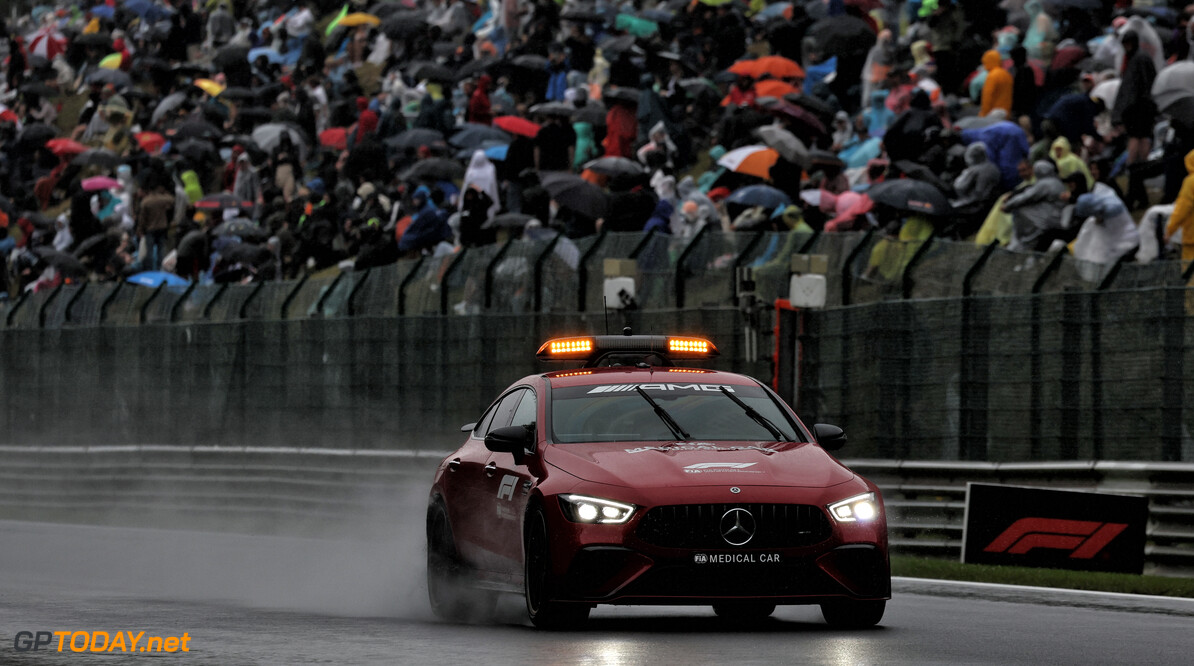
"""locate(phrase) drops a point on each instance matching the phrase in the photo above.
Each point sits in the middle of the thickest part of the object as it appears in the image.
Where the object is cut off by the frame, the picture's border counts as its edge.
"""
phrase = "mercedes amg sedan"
(632, 480)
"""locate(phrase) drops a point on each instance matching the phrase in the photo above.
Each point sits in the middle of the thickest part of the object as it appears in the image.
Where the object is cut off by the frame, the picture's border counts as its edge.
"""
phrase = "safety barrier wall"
(1090, 375)
(317, 490)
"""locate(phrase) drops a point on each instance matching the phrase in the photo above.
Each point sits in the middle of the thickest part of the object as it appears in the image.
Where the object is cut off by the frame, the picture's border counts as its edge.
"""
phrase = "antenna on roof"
(605, 307)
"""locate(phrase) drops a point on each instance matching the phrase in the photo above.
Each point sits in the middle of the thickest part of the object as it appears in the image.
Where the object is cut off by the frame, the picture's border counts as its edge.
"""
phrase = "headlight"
(860, 508)
(584, 509)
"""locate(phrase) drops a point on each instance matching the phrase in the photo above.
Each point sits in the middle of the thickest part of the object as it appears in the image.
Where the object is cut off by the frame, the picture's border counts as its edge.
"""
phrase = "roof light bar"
(658, 350)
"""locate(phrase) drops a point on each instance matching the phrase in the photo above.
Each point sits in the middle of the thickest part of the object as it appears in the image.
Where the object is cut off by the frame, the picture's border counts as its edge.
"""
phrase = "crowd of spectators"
(244, 140)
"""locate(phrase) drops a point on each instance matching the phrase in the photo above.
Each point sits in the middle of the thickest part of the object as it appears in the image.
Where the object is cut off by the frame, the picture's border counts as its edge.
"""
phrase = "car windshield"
(618, 413)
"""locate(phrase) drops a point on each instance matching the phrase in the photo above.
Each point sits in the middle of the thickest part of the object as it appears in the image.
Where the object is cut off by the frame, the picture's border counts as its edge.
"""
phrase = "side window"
(482, 426)
(504, 410)
(526, 412)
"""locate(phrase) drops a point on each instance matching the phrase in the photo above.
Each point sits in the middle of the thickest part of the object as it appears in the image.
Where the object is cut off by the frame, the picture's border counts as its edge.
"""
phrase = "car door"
(467, 492)
(512, 484)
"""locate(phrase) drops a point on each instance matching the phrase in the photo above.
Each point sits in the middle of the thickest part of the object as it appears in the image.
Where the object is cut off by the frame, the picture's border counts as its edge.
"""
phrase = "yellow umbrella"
(208, 86)
(111, 61)
(359, 18)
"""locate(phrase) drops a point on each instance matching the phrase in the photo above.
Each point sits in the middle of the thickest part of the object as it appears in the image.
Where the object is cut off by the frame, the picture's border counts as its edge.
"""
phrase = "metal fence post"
(71, 303)
(916, 257)
(103, 313)
(284, 310)
(41, 312)
(642, 244)
(145, 306)
(244, 306)
(808, 244)
(972, 272)
(538, 274)
(848, 265)
(739, 259)
(975, 366)
(181, 299)
(491, 268)
(682, 259)
(352, 295)
(326, 293)
(582, 271)
(443, 280)
(210, 304)
(1112, 273)
(12, 312)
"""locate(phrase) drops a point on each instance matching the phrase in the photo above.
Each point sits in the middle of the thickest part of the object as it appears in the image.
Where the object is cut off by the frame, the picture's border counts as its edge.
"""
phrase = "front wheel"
(450, 598)
(539, 589)
(853, 614)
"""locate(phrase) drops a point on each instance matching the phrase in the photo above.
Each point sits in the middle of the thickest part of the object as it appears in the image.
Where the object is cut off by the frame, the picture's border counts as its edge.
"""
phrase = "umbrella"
(196, 150)
(117, 78)
(98, 157)
(759, 195)
(530, 61)
(484, 146)
(773, 88)
(750, 160)
(269, 54)
(208, 86)
(475, 67)
(237, 93)
(334, 137)
(150, 142)
(616, 166)
(64, 146)
(508, 221)
(196, 129)
(574, 193)
(592, 113)
(241, 227)
(430, 71)
(47, 43)
(222, 200)
(696, 85)
(36, 134)
(269, 135)
(498, 152)
(561, 109)
(413, 138)
(1107, 91)
(911, 195)
(517, 125)
(95, 39)
(434, 168)
(169, 103)
(583, 16)
(808, 126)
(776, 66)
(401, 25)
(784, 142)
(842, 35)
(824, 158)
(612, 46)
(157, 278)
(472, 135)
(359, 18)
(67, 265)
(230, 55)
(976, 122)
(1181, 115)
(813, 105)
(622, 94)
(40, 89)
(1173, 83)
(96, 183)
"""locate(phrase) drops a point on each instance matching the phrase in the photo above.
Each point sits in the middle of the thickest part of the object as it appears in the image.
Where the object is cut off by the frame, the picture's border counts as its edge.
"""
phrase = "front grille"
(699, 525)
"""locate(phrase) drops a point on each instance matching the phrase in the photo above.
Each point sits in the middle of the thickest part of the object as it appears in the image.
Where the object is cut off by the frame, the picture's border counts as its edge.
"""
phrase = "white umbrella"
(1173, 83)
(268, 135)
(1107, 91)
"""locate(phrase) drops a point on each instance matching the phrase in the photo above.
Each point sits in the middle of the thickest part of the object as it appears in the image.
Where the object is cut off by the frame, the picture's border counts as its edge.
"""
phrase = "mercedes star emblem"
(735, 489)
(737, 526)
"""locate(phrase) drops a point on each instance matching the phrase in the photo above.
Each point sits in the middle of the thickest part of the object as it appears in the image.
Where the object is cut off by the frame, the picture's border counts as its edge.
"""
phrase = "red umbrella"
(150, 142)
(334, 137)
(64, 147)
(517, 125)
(96, 183)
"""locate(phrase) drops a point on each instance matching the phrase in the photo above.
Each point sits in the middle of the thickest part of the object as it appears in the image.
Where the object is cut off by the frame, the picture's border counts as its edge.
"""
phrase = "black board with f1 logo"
(1057, 529)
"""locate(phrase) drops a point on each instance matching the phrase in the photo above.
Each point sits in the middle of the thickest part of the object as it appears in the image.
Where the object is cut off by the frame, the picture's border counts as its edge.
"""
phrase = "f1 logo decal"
(506, 490)
(1084, 538)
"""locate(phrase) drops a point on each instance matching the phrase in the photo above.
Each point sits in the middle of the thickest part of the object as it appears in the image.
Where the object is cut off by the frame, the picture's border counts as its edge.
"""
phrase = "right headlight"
(860, 508)
(585, 509)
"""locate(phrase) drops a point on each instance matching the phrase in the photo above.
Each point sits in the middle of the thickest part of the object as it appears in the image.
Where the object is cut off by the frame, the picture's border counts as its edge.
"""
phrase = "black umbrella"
(843, 34)
(191, 70)
(476, 67)
(413, 138)
(472, 135)
(40, 89)
(197, 129)
(237, 93)
(616, 166)
(561, 109)
(95, 246)
(919, 172)
(196, 150)
(68, 266)
(530, 61)
(612, 46)
(582, 16)
(246, 229)
(401, 25)
(622, 95)
(434, 168)
(813, 105)
(98, 157)
(574, 193)
(230, 55)
(95, 39)
(818, 158)
(117, 78)
(222, 200)
(910, 195)
(430, 71)
(508, 221)
(592, 113)
(36, 134)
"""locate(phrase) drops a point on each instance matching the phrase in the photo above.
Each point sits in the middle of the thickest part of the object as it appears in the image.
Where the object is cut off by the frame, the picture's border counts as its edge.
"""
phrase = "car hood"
(666, 464)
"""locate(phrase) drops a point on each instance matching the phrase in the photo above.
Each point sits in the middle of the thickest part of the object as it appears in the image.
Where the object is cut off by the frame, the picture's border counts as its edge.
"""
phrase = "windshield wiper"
(677, 431)
(778, 434)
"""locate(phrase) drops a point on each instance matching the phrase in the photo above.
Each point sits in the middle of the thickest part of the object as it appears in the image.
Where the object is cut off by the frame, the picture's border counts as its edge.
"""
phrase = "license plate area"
(737, 559)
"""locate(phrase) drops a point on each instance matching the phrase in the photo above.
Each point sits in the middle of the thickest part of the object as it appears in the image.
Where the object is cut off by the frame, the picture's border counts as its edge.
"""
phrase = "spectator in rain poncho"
(659, 141)
(979, 183)
(1036, 209)
(482, 175)
(1006, 145)
(1108, 232)
(428, 226)
(997, 89)
(1067, 162)
(877, 115)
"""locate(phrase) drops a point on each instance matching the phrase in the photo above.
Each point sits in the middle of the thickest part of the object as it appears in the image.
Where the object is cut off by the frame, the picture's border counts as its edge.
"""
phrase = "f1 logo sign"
(1084, 538)
(506, 490)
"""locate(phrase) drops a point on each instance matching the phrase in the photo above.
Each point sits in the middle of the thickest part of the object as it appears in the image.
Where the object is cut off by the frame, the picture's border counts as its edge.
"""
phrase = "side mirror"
(830, 437)
(511, 439)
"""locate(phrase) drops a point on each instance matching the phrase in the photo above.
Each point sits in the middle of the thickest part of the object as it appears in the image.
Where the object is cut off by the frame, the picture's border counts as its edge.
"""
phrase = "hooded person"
(480, 109)
(1067, 162)
(482, 175)
(877, 116)
(661, 218)
(586, 145)
(1181, 220)
(998, 88)
(1007, 146)
(979, 183)
(1036, 209)
(1108, 231)
(906, 137)
(659, 140)
(427, 227)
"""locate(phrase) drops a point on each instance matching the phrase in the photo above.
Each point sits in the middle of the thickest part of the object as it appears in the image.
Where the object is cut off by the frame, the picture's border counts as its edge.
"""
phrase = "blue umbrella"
(759, 195)
(273, 56)
(102, 11)
(497, 153)
(158, 278)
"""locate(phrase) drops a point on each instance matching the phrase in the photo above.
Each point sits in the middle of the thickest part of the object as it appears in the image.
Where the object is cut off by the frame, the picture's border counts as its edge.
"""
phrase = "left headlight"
(585, 509)
(859, 508)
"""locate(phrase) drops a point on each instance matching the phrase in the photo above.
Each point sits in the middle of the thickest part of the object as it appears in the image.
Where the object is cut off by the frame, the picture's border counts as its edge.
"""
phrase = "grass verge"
(925, 567)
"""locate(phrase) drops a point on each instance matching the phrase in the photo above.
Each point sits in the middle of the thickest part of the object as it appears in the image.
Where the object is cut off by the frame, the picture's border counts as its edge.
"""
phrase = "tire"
(450, 597)
(539, 587)
(744, 610)
(853, 614)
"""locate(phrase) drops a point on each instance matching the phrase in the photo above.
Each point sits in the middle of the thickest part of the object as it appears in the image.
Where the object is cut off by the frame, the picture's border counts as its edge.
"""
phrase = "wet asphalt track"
(280, 600)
